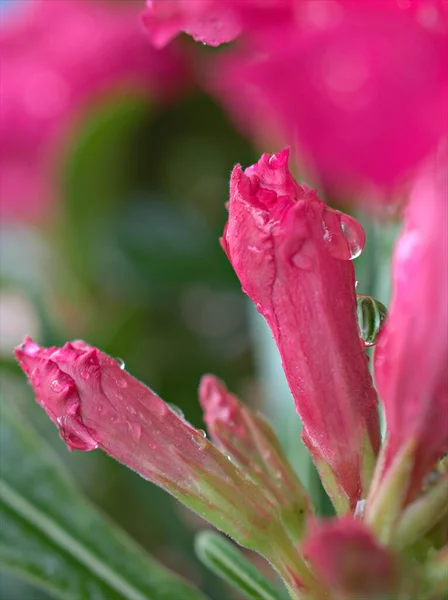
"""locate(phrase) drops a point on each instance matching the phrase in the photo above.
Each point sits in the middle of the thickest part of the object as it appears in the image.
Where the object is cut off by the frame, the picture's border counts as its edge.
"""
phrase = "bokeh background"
(115, 163)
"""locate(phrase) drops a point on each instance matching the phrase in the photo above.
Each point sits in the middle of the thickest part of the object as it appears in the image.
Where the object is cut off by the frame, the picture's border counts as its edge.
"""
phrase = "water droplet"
(58, 386)
(371, 315)
(122, 383)
(75, 434)
(85, 375)
(354, 235)
(136, 431)
(153, 446)
(178, 411)
(119, 396)
(342, 234)
(202, 432)
(120, 362)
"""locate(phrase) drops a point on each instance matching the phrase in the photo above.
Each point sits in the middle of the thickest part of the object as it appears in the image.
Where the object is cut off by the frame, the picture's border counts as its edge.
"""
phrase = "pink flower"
(292, 255)
(349, 562)
(96, 404)
(58, 58)
(359, 89)
(411, 357)
(212, 22)
(248, 438)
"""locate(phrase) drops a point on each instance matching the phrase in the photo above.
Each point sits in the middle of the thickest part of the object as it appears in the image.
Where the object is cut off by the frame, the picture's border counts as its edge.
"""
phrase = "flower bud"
(292, 254)
(248, 438)
(96, 404)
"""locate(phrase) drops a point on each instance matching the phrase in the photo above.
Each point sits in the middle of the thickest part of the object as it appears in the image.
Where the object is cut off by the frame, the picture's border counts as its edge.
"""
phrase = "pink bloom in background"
(359, 89)
(292, 255)
(350, 562)
(411, 358)
(58, 57)
(212, 22)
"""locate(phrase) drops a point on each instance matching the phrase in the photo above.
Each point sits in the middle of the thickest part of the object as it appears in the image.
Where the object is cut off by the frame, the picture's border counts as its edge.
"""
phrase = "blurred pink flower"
(58, 57)
(349, 562)
(359, 89)
(292, 254)
(411, 358)
(96, 404)
(212, 22)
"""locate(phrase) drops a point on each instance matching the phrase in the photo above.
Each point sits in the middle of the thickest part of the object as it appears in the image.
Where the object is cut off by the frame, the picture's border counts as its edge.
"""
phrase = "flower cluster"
(293, 256)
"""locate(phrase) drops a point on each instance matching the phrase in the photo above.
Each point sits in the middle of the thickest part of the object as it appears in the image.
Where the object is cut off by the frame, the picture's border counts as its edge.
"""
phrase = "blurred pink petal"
(358, 88)
(58, 58)
(411, 358)
(211, 22)
(349, 561)
(292, 255)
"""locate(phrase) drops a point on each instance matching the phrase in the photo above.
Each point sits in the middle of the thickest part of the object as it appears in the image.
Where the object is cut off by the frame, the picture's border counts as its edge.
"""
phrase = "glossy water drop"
(85, 375)
(343, 235)
(75, 434)
(58, 386)
(120, 362)
(371, 315)
(153, 446)
(136, 431)
(354, 235)
(122, 383)
(178, 411)
(202, 432)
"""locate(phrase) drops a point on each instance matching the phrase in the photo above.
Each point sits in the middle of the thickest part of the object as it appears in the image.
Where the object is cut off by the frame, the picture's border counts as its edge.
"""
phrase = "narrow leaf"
(223, 558)
(53, 537)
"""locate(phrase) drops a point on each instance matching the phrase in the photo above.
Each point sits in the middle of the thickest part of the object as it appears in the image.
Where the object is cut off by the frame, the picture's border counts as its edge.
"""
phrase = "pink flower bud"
(249, 439)
(412, 353)
(96, 404)
(349, 562)
(292, 255)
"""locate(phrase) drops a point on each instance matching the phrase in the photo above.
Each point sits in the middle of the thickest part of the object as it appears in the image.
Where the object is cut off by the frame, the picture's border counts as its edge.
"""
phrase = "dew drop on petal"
(122, 383)
(354, 235)
(136, 431)
(120, 362)
(75, 434)
(57, 386)
(342, 234)
(176, 409)
(371, 315)
(85, 375)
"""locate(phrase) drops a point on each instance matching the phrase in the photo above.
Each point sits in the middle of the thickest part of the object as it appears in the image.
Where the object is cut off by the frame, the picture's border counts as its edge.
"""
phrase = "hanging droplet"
(120, 362)
(75, 434)
(371, 315)
(202, 432)
(178, 411)
(342, 234)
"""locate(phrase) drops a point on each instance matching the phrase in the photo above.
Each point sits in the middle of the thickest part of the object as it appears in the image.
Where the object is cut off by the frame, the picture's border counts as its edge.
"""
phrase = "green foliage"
(50, 535)
(223, 558)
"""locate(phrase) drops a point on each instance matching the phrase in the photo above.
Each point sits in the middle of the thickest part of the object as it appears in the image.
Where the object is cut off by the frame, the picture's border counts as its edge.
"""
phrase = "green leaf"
(223, 558)
(52, 536)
